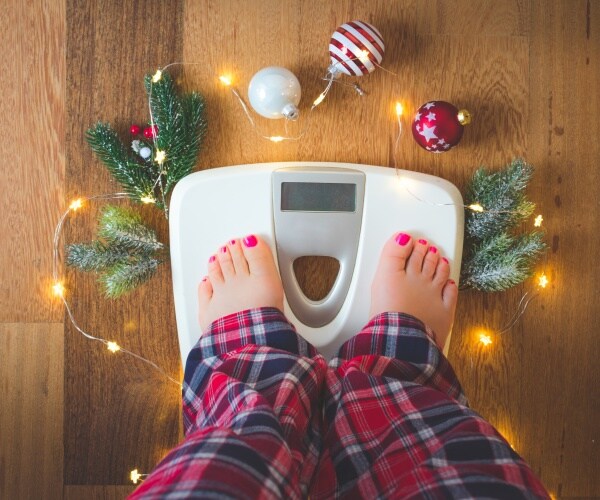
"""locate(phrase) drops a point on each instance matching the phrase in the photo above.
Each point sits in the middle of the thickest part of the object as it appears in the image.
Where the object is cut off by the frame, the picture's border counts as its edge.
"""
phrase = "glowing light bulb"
(543, 280)
(225, 80)
(538, 221)
(76, 204)
(135, 476)
(147, 199)
(276, 138)
(58, 289)
(319, 99)
(160, 157)
(399, 109)
(485, 339)
(476, 207)
(364, 56)
(113, 346)
(157, 76)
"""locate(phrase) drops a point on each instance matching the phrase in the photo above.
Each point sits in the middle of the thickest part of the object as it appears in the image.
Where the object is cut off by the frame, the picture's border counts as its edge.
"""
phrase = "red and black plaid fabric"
(266, 417)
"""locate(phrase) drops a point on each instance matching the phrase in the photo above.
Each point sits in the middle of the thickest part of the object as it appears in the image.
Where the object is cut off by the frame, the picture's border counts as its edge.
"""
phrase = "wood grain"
(560, 417)
(119, 414)
(31, 424)
(97, 492)
(32, 39)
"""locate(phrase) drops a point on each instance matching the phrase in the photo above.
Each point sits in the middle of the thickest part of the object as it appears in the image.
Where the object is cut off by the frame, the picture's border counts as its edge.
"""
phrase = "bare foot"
(241, 275)
(412, 278)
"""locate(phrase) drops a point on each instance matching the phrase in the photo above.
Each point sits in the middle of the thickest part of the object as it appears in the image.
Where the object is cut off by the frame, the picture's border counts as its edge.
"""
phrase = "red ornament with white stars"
(438, 126)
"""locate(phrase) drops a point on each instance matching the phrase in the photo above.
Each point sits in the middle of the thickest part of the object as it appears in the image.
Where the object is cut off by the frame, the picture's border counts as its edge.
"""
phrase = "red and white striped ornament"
(356, 48)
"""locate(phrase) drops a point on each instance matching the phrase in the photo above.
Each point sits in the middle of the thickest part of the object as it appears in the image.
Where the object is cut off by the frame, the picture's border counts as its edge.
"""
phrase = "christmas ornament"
(438, 126)
(274, 93)
(145, 152)
(151, 132)
(356, 48)
(135, 129)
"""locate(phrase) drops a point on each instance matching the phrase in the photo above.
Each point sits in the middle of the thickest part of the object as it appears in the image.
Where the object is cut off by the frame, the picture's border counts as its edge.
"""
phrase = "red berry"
(151, 132)
(135, 129)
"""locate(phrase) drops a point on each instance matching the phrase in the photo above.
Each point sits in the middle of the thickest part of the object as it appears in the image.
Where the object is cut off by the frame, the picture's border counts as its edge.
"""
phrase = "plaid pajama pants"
(266, 417)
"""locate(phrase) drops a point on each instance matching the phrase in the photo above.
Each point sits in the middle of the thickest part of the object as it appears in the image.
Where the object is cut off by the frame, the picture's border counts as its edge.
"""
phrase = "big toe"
(395, 253)
(258, 255)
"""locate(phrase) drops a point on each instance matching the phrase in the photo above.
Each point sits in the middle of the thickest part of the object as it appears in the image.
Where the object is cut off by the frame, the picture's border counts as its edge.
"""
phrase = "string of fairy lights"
(59, 289)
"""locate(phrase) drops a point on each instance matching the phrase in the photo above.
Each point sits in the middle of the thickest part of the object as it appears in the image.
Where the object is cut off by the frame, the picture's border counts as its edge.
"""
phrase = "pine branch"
(502, 195)
(124, 229)
(502, 261)
(135, 178)
(95, 256)
(125, 277)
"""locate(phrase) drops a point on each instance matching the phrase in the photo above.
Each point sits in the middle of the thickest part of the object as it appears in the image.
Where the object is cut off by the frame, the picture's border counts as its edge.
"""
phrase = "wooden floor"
(75, 420)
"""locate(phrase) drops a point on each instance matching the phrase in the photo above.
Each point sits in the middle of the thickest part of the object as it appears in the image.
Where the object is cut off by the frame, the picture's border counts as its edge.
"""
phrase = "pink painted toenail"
(224, 249)
(433, 249)
(205, 278)
(250, 241)
(452, 282)
(232, 242)
(445, 260)
(402, 239)
(212, 258)
(423, 242)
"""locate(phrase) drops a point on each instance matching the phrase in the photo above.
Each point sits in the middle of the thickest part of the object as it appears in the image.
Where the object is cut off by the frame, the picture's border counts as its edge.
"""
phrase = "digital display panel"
(318, 197)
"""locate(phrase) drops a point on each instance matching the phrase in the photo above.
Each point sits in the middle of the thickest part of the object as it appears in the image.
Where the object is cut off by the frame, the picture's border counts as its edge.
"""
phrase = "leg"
(396, 422)
(250, 396)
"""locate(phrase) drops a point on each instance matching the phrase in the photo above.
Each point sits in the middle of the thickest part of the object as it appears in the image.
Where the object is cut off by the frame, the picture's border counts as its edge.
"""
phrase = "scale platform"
(340, 210)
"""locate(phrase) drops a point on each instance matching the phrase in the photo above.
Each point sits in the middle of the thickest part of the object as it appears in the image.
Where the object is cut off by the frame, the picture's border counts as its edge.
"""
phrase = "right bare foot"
(241, 275)
(412, 278)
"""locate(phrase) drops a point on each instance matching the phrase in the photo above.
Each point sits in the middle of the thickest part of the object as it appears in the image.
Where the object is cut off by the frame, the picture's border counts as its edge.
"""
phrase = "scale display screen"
(318, 197)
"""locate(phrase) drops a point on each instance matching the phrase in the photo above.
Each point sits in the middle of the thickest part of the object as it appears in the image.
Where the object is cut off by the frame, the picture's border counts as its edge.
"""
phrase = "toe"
(415, 261)
(395, 253)
(214, 270)
(205, 292)
(450, 295)
(239, 261)
(430, 261)
(442, 272)
(226, 262)
(258, 256)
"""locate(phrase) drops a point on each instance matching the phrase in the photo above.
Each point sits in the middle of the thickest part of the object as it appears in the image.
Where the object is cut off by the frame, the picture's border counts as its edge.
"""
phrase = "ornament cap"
(464, 117)
(290, 112)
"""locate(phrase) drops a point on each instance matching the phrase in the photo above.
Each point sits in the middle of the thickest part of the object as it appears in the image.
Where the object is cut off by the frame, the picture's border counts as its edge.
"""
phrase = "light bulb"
(147, 199)
(485, 339)
(76, 204)
(113, 346)
(160, 157)
(157, 76)
(225, 80)
(58, 289)
(538, 221)
(476, 207)
(399, 109)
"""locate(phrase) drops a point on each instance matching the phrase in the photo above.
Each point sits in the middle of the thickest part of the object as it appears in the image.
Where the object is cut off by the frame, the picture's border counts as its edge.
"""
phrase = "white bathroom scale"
(340, 210)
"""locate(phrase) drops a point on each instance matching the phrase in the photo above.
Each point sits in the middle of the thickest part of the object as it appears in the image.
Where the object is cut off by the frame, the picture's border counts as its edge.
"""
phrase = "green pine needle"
(124, 228)
(494, 260)
(125, 277)
(95, 256)
(181, 127)
(503, 261)
(503, 198)
(126, 256)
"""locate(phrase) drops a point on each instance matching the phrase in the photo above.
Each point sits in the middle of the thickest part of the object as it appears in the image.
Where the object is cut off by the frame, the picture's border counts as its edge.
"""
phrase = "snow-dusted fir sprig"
(127, 255)
(494, 258)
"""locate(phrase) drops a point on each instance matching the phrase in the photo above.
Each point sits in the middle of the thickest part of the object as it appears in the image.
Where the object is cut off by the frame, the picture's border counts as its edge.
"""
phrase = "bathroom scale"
(302, 209)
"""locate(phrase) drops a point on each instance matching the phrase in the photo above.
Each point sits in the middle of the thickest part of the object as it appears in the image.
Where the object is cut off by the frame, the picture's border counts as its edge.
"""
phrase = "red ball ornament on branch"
(135, 129)
(151, 132)
(438, 126)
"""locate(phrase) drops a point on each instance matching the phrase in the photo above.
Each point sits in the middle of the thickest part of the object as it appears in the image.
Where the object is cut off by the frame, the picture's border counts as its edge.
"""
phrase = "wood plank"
(32, 40)
(31, 420)
(97, 492)
(559, 423)
(119, 414)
